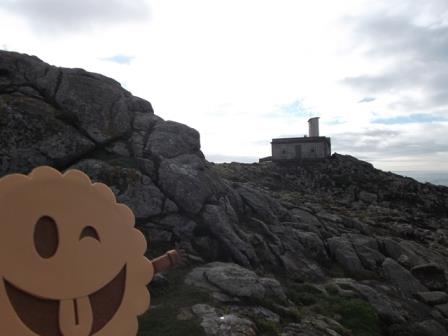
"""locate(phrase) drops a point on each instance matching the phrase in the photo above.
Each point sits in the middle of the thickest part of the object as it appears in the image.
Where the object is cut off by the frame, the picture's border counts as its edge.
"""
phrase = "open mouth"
(43, 316)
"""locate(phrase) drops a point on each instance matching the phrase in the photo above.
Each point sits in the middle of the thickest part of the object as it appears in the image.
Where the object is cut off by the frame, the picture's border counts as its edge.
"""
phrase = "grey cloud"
(379, 133)
(435, 103)
(406, 103)
(440, 97)
(417, 53)
(367, 100)
(408, 75)
(378, 83)
(394, 35)
(58, 16)
(376, 134)
(383, 144)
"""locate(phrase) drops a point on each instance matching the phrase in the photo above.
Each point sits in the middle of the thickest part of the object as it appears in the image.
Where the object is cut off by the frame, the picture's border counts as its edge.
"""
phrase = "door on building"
(298, 149)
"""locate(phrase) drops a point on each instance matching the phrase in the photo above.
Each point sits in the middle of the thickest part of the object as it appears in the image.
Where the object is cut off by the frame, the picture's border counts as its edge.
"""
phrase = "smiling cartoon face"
(71, 261)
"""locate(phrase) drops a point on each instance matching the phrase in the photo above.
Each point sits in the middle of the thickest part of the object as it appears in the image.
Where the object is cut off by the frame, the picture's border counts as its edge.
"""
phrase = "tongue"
(75, 317)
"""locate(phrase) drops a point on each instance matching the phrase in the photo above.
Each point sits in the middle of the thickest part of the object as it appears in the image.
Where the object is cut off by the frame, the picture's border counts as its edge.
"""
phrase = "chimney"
(313, 124)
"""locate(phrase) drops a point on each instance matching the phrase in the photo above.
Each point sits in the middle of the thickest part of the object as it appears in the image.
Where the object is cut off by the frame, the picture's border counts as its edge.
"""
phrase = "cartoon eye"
(46, 237)
(89, 231)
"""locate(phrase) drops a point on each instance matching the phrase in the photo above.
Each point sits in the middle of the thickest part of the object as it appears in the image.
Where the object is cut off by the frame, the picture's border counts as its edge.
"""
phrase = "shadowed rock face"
(70, 118)
(320, 223)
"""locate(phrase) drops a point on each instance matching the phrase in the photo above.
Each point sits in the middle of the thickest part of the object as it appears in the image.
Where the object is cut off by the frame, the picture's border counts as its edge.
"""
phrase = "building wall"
(298, 151)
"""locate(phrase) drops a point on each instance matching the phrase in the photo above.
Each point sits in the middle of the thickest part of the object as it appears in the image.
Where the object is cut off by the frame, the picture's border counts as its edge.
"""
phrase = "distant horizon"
(434, 177)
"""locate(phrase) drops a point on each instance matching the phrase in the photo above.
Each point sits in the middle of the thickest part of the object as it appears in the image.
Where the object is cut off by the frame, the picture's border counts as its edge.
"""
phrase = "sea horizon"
(424, 176)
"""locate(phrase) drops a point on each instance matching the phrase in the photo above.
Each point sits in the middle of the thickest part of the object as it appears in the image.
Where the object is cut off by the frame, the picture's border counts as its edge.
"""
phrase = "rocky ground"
(329, 248)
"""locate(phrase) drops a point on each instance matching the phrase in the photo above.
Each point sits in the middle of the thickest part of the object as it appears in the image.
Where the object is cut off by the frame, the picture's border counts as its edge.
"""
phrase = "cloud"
(119, 58)
(58, 16)
(409, 44)
(383, 144)
(413, 118)
(367, 100)
(374, 83)
(399, 35)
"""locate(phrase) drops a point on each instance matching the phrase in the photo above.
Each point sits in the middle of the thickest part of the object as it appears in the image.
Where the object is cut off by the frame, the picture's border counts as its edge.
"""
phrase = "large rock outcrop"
(70, 118)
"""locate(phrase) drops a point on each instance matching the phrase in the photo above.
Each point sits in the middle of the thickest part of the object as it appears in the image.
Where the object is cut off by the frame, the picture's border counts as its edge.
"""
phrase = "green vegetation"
(352, 313)
(167, 303)
(293, 197)
(358, 316)
(304, 294)
(267, 328)
(161, 321)
(331, 289)
(355, 316)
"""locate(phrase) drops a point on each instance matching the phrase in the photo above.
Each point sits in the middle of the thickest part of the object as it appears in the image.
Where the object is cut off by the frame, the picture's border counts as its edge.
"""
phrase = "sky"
(242, 72)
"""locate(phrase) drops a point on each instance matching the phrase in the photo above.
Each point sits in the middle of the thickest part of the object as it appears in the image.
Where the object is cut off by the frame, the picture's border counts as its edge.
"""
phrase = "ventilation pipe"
(313, 124)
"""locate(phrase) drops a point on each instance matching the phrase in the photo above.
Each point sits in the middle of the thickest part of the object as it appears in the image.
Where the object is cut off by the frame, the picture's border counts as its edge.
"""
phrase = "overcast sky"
(245, 71)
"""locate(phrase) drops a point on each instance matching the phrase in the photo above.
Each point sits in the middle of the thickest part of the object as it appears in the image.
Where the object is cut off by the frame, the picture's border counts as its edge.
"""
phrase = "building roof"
(300, 140)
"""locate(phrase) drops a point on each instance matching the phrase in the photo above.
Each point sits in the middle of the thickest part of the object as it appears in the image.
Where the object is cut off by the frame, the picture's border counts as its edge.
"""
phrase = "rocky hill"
(328, 248)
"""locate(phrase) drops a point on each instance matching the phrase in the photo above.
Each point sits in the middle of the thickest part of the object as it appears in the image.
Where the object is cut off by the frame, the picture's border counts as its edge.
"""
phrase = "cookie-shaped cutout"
(71, 261)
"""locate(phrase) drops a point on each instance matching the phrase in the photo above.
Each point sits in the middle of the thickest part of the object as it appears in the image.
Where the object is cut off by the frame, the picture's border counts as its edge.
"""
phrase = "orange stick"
(166, 261)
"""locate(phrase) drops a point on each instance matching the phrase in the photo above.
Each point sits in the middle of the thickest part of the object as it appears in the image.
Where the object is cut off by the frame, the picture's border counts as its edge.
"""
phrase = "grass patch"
(167, 302)
(352, 313)
(304, 299)
(332, 289)
(304, 294)
(355, 314)
(161, 321)
(358, 316)
(267, 328)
